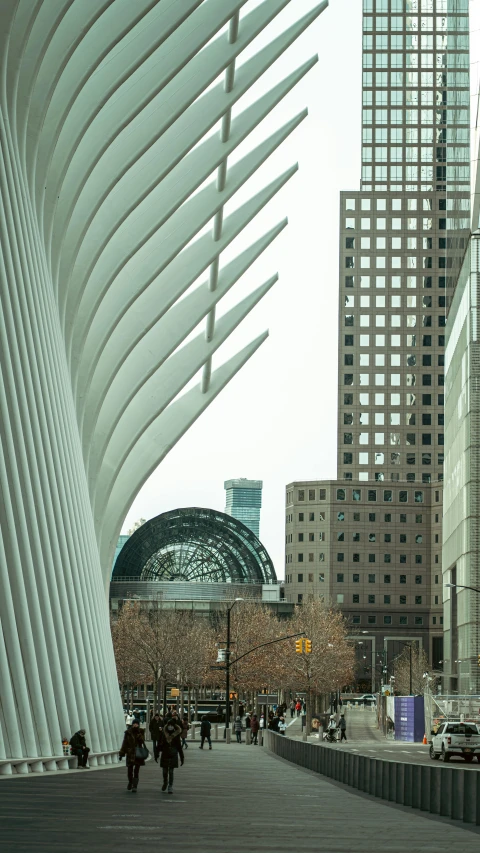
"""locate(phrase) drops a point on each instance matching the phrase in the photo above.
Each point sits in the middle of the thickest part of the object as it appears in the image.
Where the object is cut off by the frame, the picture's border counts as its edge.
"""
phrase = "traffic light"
(298, 646)
(308, 647)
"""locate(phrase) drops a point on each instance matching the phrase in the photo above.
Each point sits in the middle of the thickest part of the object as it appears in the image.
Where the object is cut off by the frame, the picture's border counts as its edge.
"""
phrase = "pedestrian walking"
(282, 726)
(128, 718)
(135, 751)
(185, 728)
(155, 727)
(292, 709)
(238, 728)
(342, 725)
(262, 722)
(298, 707)
(171, 750)
(254, 727)
(78, 747)
(205, 729)
(273, 724)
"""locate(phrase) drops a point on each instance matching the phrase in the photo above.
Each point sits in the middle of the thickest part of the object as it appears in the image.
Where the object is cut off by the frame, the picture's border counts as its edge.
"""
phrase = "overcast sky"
(276, 421)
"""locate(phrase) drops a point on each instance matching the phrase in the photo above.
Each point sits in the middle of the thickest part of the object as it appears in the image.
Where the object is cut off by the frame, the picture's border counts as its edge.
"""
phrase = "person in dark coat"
(171, 749)
(254, 726)
(273, 724)
(185, 727)
(133, 737)
(78, 747)
(205, 729)
(155, 727)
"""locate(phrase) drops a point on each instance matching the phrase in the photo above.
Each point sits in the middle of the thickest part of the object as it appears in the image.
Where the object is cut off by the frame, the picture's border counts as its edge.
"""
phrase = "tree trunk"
(189, 701)
(309, 699)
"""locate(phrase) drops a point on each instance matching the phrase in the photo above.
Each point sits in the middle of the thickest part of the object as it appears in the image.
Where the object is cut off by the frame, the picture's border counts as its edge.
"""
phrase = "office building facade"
(243, 501)
(461, 548)
(397, 264)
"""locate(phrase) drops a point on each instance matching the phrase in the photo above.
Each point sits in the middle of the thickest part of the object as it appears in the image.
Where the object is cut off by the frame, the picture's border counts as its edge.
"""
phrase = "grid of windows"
(395, 254)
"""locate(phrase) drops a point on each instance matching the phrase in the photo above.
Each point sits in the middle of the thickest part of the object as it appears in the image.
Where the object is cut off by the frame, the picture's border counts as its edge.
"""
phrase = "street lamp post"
(462, 586)
(227, 669)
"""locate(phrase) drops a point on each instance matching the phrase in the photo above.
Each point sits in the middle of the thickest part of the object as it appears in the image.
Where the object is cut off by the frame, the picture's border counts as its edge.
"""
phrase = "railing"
(445, 791)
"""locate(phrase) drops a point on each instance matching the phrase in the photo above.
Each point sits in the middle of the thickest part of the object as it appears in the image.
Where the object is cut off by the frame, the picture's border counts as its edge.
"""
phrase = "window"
(403, 599)
(419, 620)
(403, 578)
(340, 578)
(371, 558)
(403, 558)
(356, 558)
(299, 598)
(418, 579)
(341, 492)
(321, 578)
(311, 494)
(300, 558)
(356, 578)
(387, 620)
(341, 536)
(310, 558)
(301, 495)
(300, 516)
(371, 578)
(311, 516)
(322, 496)
(356, 599)
(371, 599)
(299, 578)
(418, 599)
(371, 516)
(340, 558)
(372, 620)
(300, 537)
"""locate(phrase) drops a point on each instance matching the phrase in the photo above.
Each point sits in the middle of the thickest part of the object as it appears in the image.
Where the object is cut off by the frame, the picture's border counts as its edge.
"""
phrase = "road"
(365, 739)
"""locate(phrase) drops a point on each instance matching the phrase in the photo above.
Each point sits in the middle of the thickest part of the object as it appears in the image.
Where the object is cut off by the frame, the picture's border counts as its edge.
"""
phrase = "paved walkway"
(232, 799)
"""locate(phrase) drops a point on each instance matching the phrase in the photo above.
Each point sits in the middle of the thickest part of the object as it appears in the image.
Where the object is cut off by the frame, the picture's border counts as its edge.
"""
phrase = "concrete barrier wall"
(436, 789)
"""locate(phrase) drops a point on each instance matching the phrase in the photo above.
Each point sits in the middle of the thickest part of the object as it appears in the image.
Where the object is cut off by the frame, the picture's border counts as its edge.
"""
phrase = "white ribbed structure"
(104, 110)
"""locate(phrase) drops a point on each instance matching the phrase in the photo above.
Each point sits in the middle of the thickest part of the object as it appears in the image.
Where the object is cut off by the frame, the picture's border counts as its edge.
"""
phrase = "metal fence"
(445, 791)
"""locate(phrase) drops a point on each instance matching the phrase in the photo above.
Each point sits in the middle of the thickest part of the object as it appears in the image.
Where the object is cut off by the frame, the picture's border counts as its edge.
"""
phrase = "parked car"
(368, 698)
(457, 738)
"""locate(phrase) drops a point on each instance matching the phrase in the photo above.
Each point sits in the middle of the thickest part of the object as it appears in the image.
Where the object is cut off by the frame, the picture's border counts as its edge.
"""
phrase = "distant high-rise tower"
(244, 501)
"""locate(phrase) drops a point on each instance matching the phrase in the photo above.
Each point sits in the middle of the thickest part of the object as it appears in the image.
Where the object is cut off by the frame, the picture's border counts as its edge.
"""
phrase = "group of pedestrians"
(169, 737)
(335, 727)
(297, 706)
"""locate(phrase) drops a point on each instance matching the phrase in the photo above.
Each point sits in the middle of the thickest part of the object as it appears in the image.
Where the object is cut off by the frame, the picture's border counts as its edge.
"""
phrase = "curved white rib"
(104, 110)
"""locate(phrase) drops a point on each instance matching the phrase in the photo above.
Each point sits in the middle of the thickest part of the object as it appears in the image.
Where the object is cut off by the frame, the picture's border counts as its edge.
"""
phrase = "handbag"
(141, 753)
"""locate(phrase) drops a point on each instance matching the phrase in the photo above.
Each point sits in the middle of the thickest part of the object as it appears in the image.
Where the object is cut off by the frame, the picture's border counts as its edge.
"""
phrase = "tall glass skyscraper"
(244, 501)
(376, 532)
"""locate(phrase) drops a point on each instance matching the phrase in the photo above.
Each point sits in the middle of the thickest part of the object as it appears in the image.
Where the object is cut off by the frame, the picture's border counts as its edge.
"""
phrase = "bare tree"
(419, 665)
(330, 664)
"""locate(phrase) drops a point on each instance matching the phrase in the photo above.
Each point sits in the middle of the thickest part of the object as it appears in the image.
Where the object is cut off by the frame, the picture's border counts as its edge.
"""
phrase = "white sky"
(276, 421)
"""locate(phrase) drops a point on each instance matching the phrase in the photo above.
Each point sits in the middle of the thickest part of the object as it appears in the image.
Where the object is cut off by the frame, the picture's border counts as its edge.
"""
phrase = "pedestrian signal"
(232, 695)
(308, 647)
(298, 646)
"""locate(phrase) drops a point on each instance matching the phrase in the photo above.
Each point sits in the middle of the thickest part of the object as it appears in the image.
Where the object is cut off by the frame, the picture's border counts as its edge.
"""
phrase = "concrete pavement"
(232, 799)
